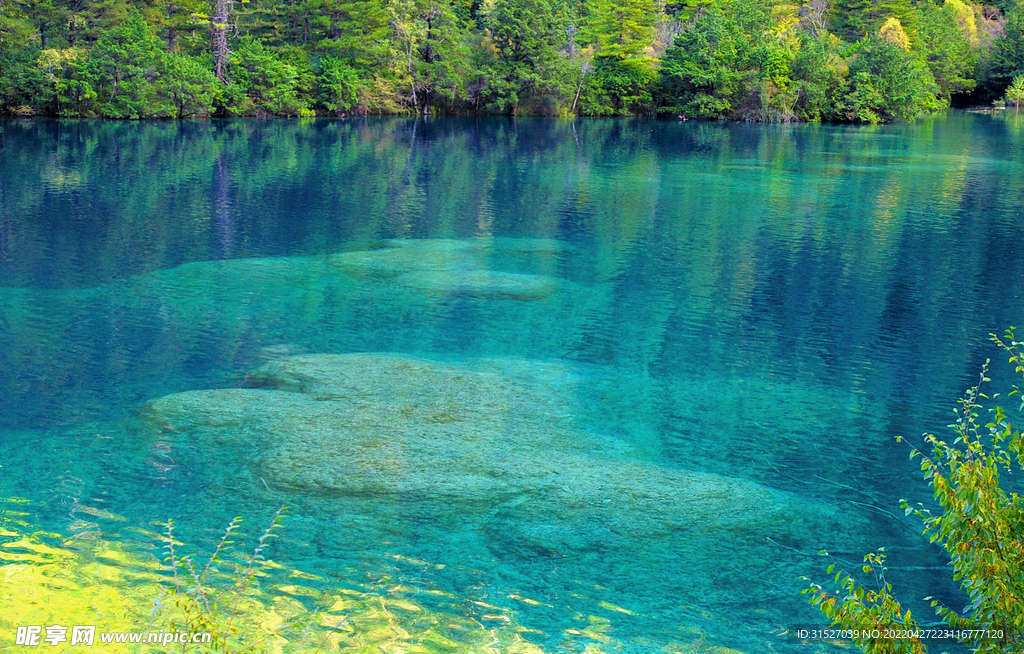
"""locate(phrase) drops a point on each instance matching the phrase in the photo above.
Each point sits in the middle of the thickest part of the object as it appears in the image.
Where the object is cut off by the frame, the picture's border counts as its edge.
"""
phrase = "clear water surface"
(596, 384)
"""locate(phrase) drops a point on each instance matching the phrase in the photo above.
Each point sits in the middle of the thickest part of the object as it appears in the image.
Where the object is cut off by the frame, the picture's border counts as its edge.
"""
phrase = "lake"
(524, 385)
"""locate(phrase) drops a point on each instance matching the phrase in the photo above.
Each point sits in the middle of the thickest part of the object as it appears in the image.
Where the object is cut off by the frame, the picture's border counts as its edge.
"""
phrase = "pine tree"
(358, 32)
(522, 65)
(126, 62)
(1015, 92)
(46, 17)
(622, 29)
(855, 19)
(174, 18)
(431, 38)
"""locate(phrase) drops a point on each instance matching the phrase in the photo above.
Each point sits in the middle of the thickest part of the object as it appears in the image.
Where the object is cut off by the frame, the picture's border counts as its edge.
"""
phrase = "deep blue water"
(770, 304)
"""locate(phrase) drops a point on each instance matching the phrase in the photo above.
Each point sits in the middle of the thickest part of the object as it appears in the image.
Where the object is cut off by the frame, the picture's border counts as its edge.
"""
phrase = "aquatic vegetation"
(205, 609)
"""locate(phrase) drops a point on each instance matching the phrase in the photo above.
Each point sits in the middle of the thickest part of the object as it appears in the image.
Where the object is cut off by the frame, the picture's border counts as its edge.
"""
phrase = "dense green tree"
(887, 83)
(432, 43)
(619, 87)
(178, 19)
(70, 80)
(701, 74)
(338, 86)
(88, 20)
(20, 83)
(820, 73)
(741, 59)
(263, 83)
(360, 32)
(126, 64)
(774, 97)
(47, 18)
(946, 39)
(1006, 59)
(621, 32)
(15, 28)
(282, 22)
(442, 68)
(623, 29)
(522, 67)
(855, 19)
(1015, 92)
(189, 85)
(23, 87)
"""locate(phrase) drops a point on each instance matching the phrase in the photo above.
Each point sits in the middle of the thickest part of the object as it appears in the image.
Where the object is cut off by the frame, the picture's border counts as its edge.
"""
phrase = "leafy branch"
(980, 527)
(205, 608)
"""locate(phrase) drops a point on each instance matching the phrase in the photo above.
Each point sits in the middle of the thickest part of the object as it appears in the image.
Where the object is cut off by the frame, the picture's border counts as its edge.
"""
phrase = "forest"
(864, 61)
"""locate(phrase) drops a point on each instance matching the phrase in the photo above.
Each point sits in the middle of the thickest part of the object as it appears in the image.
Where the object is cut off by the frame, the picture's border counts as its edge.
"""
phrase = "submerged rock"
(435, 295)
(499, 433)
(482, 284)
(280, 351)
(397, 257)
(461, 267)
(500, 465)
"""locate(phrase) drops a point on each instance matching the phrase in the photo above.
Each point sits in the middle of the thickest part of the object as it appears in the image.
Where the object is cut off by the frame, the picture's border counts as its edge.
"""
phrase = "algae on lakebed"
(480, 431)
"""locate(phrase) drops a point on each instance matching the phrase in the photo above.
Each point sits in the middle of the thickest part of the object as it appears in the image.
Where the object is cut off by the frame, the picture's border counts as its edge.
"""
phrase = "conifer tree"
(173, 18)
(855, 19)
(524, 53)
(46, 17)
(358, 32)
(431, 38)
(946, 35)
(623, 29)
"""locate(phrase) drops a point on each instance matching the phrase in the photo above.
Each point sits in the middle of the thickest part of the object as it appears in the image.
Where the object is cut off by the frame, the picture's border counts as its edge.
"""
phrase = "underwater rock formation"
(490, 432)
(507, 464)
(224, 314)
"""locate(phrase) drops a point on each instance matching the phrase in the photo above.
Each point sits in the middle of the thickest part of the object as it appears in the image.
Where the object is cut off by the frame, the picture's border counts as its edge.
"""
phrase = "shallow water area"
(603, 386)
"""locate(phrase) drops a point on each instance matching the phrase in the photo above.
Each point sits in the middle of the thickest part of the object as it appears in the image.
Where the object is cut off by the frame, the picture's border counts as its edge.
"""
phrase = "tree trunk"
(219, 25)
(412, 73)
(172, 34)
(583, 77)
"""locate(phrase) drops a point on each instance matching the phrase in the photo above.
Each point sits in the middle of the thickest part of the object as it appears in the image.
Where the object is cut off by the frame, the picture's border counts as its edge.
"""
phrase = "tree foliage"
(765, 60)
(979, 526)
(1015, 93)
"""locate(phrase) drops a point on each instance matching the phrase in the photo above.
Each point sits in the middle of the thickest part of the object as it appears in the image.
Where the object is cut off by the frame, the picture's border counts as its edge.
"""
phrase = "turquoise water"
(613, 382)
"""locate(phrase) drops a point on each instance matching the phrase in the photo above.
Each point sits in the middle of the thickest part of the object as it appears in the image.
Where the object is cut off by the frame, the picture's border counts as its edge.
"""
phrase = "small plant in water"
(203, 607)
(980, 528)
(200, 601)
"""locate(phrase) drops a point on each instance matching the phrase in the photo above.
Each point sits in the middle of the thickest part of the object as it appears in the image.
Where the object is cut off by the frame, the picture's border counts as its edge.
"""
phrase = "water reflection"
(772, 303)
